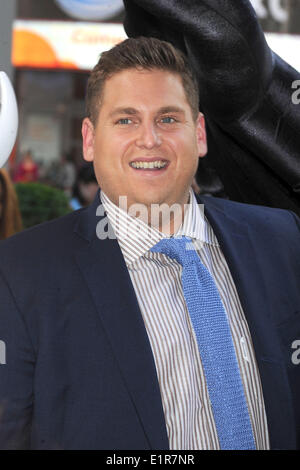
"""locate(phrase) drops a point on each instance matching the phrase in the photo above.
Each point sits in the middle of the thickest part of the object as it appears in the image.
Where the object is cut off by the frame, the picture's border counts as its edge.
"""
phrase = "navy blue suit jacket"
(79, 370)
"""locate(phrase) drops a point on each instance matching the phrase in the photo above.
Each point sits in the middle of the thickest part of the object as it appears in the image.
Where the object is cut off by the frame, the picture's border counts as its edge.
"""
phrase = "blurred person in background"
(10, 217)
(85, 188)
(27, 170)
(63, 174)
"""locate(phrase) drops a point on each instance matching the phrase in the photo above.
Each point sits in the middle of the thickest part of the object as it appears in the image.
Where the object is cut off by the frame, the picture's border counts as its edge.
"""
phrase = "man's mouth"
(148, 165)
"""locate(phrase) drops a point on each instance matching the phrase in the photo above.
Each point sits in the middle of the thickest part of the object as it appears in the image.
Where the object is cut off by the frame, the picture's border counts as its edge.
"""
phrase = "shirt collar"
(136, 238)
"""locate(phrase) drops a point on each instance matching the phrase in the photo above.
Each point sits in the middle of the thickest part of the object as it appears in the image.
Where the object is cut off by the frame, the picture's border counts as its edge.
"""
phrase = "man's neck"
(165, 218)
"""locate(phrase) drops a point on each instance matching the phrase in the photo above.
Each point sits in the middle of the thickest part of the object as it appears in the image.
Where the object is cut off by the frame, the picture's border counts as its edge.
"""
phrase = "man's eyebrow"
(170, 109)
(118, 111)
(132, 111)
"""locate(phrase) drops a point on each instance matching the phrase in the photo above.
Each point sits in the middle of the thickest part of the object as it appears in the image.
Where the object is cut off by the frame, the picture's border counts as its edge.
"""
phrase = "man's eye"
(168, 120)
(124, 121)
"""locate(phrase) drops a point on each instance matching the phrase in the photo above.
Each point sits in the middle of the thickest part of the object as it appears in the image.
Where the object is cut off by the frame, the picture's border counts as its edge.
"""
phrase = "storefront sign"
(62, 44)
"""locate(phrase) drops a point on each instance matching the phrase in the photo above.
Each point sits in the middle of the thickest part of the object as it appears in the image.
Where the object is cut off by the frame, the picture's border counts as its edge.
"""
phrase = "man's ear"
(87, 131)
(201, 135)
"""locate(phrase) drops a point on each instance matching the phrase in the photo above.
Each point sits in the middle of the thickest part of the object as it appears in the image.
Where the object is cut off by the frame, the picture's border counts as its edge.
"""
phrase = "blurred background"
(48, 48)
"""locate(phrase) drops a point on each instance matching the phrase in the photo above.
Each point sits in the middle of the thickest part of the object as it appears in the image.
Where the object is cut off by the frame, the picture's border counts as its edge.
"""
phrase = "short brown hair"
(140, 53)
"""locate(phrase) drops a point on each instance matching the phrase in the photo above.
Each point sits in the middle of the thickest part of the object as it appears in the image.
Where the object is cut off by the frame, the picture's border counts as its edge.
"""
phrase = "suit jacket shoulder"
(265, 221)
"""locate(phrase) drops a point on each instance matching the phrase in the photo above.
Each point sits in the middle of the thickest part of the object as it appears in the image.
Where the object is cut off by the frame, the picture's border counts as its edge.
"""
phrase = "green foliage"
(39, 203)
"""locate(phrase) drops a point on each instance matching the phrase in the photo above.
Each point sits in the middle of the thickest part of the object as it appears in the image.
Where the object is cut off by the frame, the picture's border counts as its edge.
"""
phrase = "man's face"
(145, 118)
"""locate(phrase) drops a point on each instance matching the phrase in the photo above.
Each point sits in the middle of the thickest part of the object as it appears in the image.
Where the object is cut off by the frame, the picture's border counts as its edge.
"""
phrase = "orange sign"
(62, 44)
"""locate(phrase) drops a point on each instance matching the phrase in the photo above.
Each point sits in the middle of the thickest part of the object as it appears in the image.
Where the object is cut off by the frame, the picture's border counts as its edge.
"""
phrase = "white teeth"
(151, 165)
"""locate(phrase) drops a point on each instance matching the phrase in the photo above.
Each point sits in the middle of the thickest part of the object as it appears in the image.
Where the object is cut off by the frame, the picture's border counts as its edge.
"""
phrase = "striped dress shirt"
(157, 283)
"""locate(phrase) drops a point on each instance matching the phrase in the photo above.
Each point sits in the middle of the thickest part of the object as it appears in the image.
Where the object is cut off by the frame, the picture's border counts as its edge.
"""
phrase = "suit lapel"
(106, 275)
(246, 266)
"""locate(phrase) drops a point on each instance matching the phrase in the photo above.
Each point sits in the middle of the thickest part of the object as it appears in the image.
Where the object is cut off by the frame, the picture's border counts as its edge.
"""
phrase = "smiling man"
(147, 135)
(150, 142)
(150, 337)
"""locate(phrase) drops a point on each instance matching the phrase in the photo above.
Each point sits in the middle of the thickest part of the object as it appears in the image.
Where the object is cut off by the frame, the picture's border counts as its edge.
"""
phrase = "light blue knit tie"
(215, 345)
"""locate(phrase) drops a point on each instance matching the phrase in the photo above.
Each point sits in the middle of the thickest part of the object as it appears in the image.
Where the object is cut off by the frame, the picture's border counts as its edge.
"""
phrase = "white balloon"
(8, 118)
(91, 9)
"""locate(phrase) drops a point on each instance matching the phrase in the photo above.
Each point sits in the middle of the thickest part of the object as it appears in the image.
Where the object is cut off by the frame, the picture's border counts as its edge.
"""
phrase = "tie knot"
(180, 249)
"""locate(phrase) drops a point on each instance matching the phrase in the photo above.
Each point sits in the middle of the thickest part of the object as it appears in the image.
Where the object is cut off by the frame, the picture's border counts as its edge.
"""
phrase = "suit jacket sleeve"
(16, 374)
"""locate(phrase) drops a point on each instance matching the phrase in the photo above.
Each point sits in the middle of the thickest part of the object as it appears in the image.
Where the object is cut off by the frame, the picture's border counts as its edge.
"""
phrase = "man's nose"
(148, 136)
